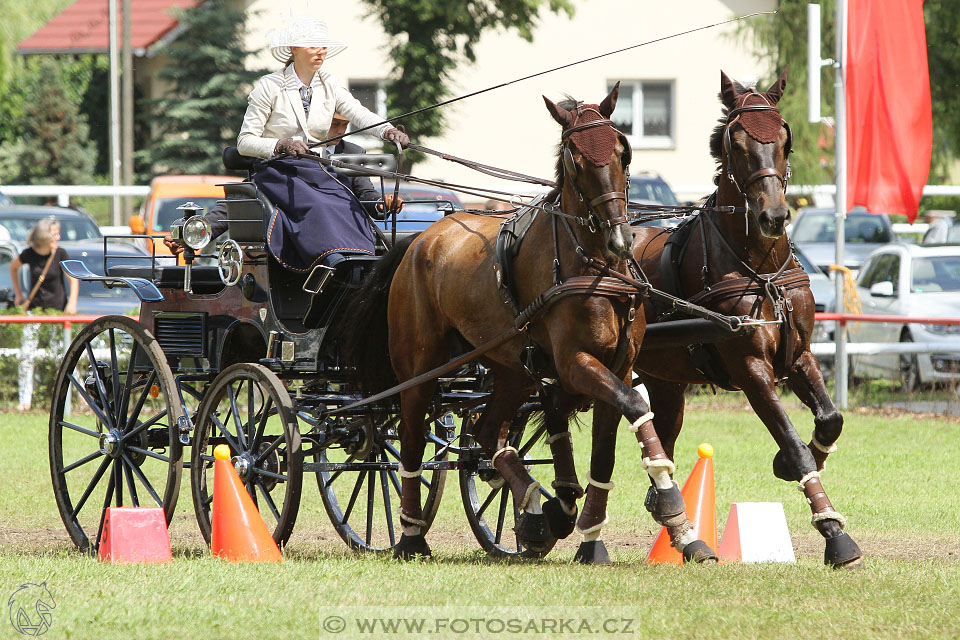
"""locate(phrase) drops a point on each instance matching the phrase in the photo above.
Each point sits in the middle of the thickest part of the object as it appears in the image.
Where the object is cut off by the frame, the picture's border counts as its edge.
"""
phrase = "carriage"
(245, 353)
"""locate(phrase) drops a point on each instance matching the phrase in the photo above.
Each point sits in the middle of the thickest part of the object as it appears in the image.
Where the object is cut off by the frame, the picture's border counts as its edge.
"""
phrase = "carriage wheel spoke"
(270, 449)
(487, 501)
(115, 375)
(251, 417)
(516, 518)
(353, 498)
(142, 399)
(143, 480)
(385, 489)
(78, 428)
(396, 482)
(226, 435)
(90, 487)
(118, 480)
(262, 423)
(103, 512)
(501, 517)
(124, 403)
(268, 498)
(101, 388)
(534, 437)
(371, 482)
(82, 461)
(270, 474)
(396, 454)
(241, 436)
(149, 453)
(131, 487)
(149, 422)
(82, 392)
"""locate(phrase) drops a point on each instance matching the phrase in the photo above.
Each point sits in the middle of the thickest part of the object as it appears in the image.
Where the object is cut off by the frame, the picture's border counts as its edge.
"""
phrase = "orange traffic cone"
(239, 533)
(699, 497)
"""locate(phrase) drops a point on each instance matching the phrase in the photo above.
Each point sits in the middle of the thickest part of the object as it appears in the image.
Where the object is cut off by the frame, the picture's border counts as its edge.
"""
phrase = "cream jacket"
(275, 111)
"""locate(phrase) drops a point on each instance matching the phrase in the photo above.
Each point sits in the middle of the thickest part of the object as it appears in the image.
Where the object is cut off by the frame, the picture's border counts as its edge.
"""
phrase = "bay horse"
(443, 287)
(744, 266)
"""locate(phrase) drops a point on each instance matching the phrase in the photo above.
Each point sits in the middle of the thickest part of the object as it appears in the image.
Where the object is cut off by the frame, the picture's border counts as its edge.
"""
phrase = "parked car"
(814, 232)
(5, 200)
(910, 280)
(423, 205)
(93, 297)
(74, 224)
(824, 294)
(159, 209)
(942, 231)
(647, 187)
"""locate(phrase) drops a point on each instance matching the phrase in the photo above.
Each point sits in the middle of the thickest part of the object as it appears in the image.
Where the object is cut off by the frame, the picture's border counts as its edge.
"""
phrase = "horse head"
(752, 145)
(591, 169)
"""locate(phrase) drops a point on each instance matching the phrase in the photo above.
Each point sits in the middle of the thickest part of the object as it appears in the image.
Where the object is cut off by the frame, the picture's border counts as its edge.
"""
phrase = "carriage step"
(145, 290)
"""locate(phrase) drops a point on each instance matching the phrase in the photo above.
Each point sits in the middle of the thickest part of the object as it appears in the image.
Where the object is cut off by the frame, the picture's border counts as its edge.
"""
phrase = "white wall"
(510, 127)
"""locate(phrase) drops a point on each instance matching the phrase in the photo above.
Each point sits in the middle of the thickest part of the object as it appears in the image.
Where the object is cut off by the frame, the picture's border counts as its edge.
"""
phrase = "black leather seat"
(204, 280)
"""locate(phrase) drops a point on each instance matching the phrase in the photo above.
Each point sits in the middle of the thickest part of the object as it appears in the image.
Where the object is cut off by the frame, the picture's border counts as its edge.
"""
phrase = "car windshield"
(652, 191)
(72, 228)
(805, 263)
(858, 229)
(935, 274)
(166, 212)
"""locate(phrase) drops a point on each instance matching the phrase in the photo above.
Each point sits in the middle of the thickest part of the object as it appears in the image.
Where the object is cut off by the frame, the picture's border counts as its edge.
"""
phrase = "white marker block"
(756, 532)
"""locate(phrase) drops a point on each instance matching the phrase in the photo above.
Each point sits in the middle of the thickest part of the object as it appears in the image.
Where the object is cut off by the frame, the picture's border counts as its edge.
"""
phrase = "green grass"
(894, 478)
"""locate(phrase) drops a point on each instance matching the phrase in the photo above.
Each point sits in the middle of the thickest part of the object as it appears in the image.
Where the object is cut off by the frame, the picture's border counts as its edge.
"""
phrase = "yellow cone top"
(222, 452)
(705, 450)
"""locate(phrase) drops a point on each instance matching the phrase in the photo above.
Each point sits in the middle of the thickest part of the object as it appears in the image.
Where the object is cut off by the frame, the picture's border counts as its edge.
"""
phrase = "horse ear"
(775, 92)
(729, 90)
(610, 102)
(561, 115)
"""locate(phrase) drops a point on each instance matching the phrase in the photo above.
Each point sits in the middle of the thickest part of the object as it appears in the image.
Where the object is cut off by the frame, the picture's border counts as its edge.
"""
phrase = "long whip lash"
(540, 73)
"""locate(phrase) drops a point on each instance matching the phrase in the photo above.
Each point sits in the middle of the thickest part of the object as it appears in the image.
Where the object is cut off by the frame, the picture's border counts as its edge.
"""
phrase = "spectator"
(48, 291)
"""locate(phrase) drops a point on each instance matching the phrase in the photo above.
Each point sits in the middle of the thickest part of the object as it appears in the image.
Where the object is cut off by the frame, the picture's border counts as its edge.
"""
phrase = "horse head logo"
(30, 608)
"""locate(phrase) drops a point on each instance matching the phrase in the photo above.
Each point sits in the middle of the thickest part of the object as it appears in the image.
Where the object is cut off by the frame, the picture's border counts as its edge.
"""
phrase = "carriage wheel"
(248, 409)
(490, 507)
(119, 445)
(362, 501)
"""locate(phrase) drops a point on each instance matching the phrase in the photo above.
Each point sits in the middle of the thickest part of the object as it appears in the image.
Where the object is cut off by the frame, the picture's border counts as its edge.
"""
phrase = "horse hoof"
(781, 469)
(592, 552)
(699, 552)
(533, 531)
(411, 548)
(842, 552)
(560, 522)
(669, 503)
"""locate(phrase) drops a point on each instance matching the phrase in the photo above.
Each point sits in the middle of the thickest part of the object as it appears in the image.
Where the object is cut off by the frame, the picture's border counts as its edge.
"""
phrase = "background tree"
(429, 40)
(202, 112)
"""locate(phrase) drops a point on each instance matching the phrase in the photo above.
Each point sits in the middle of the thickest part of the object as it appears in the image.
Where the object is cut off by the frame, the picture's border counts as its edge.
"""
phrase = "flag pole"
(840, 147)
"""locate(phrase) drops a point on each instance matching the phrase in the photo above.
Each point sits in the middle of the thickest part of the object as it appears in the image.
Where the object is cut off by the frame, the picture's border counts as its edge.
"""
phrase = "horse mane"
(716, 140)
(569, 103)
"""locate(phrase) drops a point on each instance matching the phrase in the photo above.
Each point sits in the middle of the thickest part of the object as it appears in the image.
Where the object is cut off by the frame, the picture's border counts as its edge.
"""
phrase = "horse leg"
(599, 484)
(806, 381)
(756, 380)
(413, 407)
(584, 374)
(492, 431)
(561, 510)
(667, 401)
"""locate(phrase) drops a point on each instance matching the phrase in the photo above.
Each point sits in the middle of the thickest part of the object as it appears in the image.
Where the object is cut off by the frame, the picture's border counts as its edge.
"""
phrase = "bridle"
(592, 221)
(766, 172)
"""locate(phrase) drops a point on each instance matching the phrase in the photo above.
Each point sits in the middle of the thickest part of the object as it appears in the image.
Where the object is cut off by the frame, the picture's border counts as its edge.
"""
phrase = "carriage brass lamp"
(194, 232)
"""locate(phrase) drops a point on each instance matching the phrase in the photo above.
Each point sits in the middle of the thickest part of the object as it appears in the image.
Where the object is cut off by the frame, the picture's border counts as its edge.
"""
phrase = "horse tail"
(365, 340)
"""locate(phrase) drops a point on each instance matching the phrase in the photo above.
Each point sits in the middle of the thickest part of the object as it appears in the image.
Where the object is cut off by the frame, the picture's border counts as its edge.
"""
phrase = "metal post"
(114, 111)
(127, 159)
(840, 131)
(813, 62)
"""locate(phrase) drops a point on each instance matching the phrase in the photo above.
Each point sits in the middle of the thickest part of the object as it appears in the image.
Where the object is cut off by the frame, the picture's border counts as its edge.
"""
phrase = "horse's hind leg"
(798, 463)
(561, 510)
(413, 407)
(510, 390)
(806, 381)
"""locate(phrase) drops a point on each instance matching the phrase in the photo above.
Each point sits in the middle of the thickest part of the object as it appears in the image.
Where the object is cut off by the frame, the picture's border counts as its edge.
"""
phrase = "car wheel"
(909, 367)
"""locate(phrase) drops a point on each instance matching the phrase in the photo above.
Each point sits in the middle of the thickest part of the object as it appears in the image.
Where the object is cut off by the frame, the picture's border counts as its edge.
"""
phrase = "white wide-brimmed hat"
(302, 31)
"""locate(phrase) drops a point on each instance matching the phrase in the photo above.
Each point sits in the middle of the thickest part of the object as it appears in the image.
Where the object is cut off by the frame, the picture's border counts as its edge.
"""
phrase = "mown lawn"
(894, 478)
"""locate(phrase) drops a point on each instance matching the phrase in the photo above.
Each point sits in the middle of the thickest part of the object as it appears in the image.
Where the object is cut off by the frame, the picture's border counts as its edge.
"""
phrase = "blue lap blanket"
(314, 214)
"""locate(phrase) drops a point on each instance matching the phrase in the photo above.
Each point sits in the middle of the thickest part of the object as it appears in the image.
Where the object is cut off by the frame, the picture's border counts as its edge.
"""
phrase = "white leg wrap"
(558, 436)
(660, 471)
(807, 478)
(405, 519)
(496, 455)
(639, 422)
(410, 529)
(686, 538)
(829, 515)
(531, 499)
(403, 473)
(822, 447)
(606, 486)
(593, 533)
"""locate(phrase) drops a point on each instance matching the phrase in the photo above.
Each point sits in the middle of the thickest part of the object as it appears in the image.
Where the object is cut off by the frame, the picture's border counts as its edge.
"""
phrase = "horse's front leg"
(561, 510)
(588, 376)
(756, 380)
(806, 381)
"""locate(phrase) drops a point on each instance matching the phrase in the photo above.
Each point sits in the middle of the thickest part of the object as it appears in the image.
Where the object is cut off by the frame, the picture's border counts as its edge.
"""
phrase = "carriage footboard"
(145, 290)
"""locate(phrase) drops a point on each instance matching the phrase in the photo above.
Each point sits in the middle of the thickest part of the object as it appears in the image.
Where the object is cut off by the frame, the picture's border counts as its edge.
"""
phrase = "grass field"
(894, 478)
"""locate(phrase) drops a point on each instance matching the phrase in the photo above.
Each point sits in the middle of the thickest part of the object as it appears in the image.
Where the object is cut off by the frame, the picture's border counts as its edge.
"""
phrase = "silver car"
(913, 281)
(814, 231)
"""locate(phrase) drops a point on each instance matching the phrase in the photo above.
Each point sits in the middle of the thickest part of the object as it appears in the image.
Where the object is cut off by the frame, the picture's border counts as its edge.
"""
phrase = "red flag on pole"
(889, 121)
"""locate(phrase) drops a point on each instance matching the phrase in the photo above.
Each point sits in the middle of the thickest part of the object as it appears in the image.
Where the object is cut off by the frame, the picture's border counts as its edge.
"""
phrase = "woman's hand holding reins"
(396, 135)
(292, 147)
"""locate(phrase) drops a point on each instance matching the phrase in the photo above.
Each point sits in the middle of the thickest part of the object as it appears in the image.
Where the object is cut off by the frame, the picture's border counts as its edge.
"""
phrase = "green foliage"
(52, 144)
(430, 39)
(942, 18)
(202, 112)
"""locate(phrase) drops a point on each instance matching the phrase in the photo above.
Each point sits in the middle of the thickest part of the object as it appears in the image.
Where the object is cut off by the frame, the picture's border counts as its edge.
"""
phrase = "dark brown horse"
(742, 265)
(443, 287)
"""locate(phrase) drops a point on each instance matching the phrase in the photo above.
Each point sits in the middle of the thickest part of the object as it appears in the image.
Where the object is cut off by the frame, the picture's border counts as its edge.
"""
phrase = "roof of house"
(83, 27)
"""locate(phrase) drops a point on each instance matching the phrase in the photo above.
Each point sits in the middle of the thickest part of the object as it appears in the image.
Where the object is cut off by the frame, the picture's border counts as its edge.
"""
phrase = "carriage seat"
(204, 280)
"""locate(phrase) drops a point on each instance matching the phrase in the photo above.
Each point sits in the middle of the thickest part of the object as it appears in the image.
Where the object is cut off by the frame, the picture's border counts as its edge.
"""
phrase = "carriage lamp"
(196, 232)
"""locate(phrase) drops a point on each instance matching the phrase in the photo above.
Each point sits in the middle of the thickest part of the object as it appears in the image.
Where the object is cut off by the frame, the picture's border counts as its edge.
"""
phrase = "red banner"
(889, 122)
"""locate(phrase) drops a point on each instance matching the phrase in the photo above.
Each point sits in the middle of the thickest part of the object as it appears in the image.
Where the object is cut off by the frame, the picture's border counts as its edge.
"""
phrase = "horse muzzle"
(619, 242)
(773, 221)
